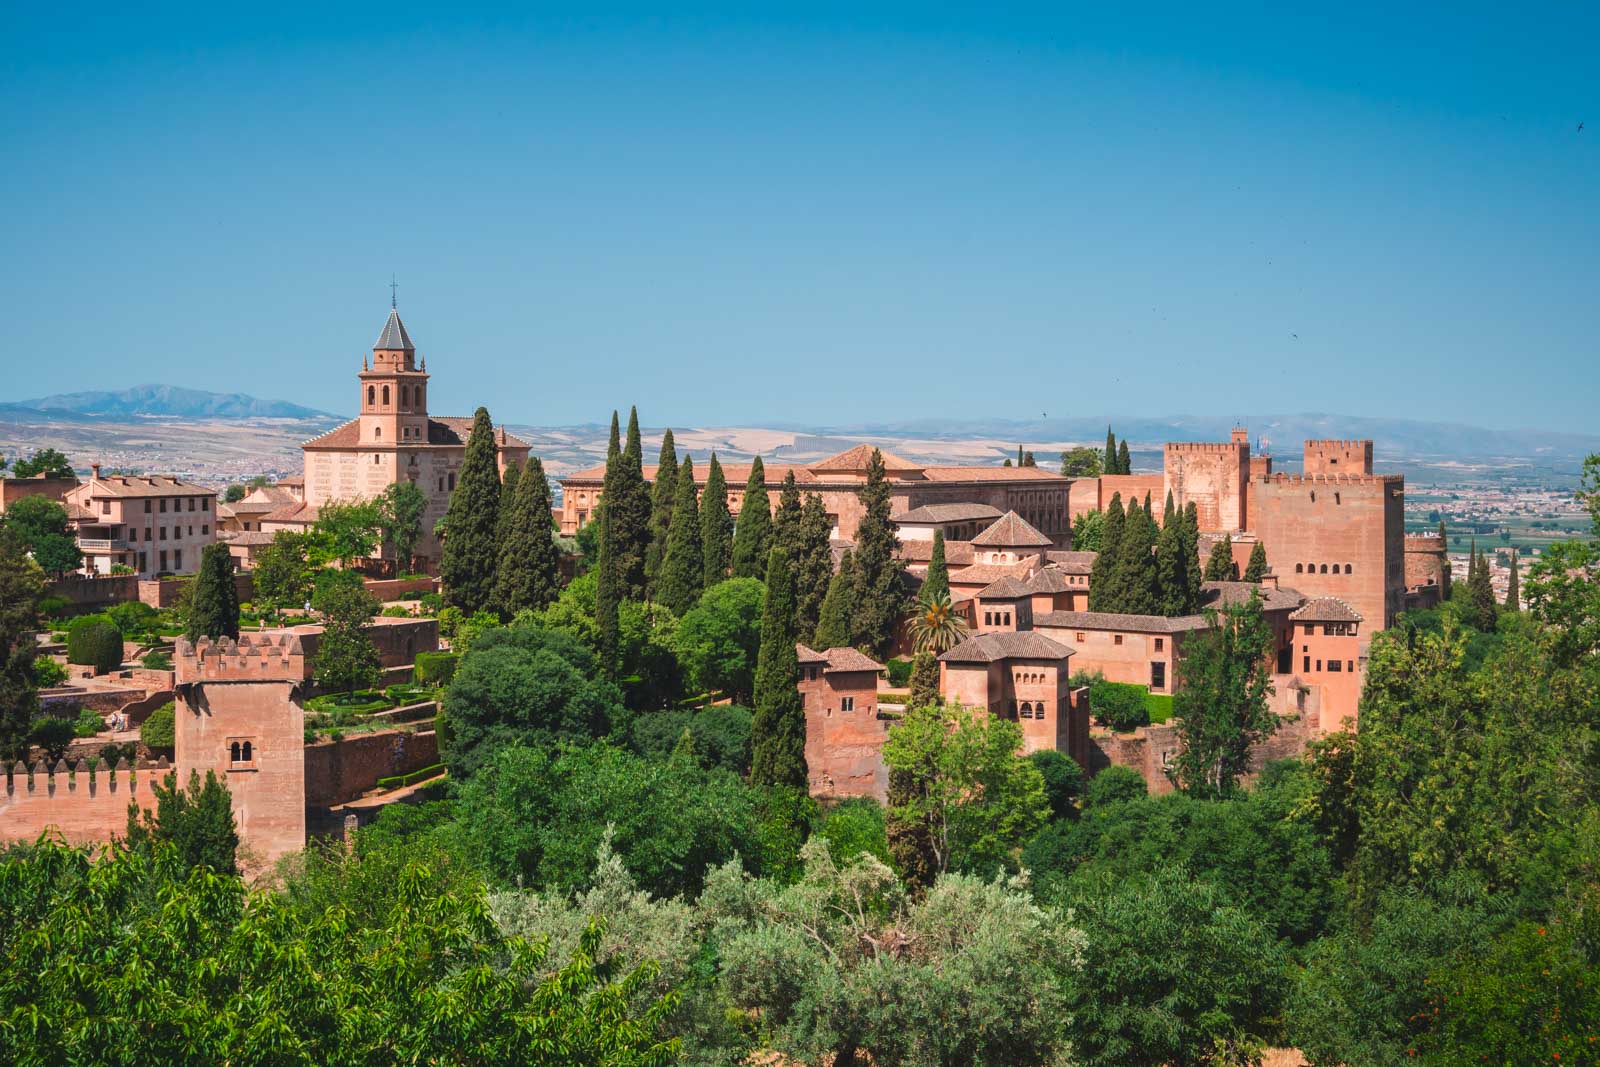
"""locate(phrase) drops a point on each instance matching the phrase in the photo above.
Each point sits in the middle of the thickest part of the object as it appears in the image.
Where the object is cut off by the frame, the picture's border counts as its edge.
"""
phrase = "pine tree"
(936, 583)
(778, 731)
(813, 571)
(1171, 567)
(1136, 565)
(467, 568)
(924, 680)
(786, 519)
(1111, 453)
(1104, 592)
(629, 511)
(1191, 554)
(214, 609)
(663, 495)
(1124, 461)
(684, 566)
(1256, 569)
(833, 623)
(716, 525)
(880, 599)
(1219, 565)
(752, 534)
(529, 575)
(607, 596)
(1514, 587)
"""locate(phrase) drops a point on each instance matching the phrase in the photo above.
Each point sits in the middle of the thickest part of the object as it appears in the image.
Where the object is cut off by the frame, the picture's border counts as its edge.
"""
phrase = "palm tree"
(936, 627)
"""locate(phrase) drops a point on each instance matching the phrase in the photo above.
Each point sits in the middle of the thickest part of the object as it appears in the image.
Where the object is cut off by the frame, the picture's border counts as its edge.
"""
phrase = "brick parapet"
(84, 806)
(262, 657)
(1211, 447)
(1336, 443)
(1332, 479)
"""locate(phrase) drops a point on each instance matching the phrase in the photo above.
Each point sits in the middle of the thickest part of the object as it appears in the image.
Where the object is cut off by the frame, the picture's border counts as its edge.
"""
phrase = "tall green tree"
(716, 525)
(1172, 567)
(282, 575)
(400, 510)
(214, 609)
(1081, 463)
(813, 571)
(1088, 530)
(1221, 701)
(1124, 461)
(1110, 464)
(346, 658)
(1220, 566)
(1256, 569)
(608, 588)
(1191, 551)
(663, 495)
(1105, 589)
(682, 576)
(752, 535)
(345, 531)
(197, 823)
(46, 461)
(1137, 575)
(1481, 609)
(628, 512)
(529, 574)
(786, 520)
(467, 569)
(880, 598)
(42, 525)
(833, 623)
(924, 680)
(508, 491)
(21, 583)
(1169, 513)
(1513, 586)
(936, 583)
(778, 734)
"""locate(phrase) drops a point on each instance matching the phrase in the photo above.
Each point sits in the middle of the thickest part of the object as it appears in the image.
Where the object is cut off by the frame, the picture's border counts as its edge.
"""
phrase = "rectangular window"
(191, 503)
(1158, 675)
(1336, 666)
(105, 507)
(1307, 667)
(205, 503)
(847, 703)
(1161, 643)
(144, 562)
(163, 505)
(147, 507)
(452, 482)
(1319, 665)
(1080, 639)
(1117, 639)
(205, 530)
(163, 559)
(177, 559)
(163, 533)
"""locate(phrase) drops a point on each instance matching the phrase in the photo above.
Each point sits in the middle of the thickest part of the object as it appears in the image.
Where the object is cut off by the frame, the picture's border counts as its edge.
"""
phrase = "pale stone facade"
(152, 524)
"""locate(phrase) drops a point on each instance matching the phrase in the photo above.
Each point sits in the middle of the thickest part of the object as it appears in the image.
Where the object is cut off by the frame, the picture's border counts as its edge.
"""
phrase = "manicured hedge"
(160, 730)
(894, 698)
(1119, 705)
(400, 780)
(1159, 705)
(899, 672)
(94, 640)
(435, 668)
(350, 703)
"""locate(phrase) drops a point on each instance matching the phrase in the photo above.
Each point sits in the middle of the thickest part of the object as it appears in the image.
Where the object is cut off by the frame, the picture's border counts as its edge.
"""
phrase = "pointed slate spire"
(394, 337)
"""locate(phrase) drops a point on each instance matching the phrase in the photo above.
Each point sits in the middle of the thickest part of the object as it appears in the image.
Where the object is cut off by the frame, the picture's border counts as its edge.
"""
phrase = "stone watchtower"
(239, 714)
(394, 390)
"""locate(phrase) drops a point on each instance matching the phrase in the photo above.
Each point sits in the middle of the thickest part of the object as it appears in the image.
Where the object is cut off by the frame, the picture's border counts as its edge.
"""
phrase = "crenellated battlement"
(1212, 447)
(84, 806)
(1335, 444)
(272, 655)
(1282, 479)
(1424, 542)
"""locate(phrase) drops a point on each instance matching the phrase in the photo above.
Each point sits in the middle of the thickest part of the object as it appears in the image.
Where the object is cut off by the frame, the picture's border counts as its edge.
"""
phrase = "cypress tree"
(786, 519)
(1171, 567)
(936, 584)
(879, 598)
(1444, 542)
(1019, 455)
(1104, 594)
(716, 525)
(910, 838)
(1136, 565)
(1480, 591)
(833, 622)
(752, 534)
(663, 495)
(1191, 554)
(214, 609)
(924, 680)
(684, 566)
(1124, 461)
(1256, 569)
(1148, 513)
(467, 568)
(1168, 513)
(629, 512)
(607, 597)
(529, 576)
(508, 492)
(778, 731)
(813, 571)
(21, 582)
(1514, 587)
(1111, 453)
(1220, 566)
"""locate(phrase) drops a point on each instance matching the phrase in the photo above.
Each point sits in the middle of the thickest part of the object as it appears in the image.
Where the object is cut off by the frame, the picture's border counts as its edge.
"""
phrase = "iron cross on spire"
(393, 286)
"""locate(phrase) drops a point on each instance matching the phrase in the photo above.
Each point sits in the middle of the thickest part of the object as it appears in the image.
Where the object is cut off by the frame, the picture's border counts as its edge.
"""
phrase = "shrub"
(395, 611)
(94, 641)
(358, 703)
(160, 730)
(1112, 785)
(132, 617)
(112, 753)
(156, 661)
(53, 607)
(89, 723)
(1063, 781)
(399, 780)
(1119, 705)
(435, 668)
(894, 698)
(409, 693)
(47, 673)
(449, 618)
(121, 568)
(899, 672)
(1159, 705)
(853, 827)
(54, 736)
(720, 733)
(431, 603)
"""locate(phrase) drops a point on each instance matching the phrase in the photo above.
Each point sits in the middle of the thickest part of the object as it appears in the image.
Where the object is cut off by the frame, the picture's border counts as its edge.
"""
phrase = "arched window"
(248, 756)
(1348, 569)
(1324, 568)
(386, 396)
(372, 395)
(377, 432)
(1299, 569)
(233, 752)
(405, 396)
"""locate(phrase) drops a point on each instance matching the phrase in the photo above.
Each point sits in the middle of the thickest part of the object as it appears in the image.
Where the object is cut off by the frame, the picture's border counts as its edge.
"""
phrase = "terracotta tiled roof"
(138, 485)
(449, 431)
(991, 474)
(293, 481)
(248, 537)
(1073, 562)
(1325, 609)
(956, 553)
(1011, 530)
(857, 459)
(841, 660)
(1228, 594)
(1048, 580)
(989, 648)
(294, 513)
(809, 655)
(1007, 588)
(986, 573)
(1106, 620)
(946, 513)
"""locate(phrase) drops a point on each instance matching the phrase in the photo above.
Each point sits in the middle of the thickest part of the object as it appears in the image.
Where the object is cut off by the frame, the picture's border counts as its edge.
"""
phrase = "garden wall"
(340, 771)
(84, 808)
(1150, 749)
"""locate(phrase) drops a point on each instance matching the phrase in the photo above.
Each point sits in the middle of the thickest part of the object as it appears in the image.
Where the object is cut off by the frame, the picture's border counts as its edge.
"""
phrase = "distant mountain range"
(157, 400)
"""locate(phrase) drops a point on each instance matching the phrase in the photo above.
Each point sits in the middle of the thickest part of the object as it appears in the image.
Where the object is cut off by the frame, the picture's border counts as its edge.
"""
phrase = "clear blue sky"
(826, 215)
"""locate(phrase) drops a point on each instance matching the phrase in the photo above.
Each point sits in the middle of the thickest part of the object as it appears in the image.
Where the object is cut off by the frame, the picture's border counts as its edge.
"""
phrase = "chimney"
(94, 471)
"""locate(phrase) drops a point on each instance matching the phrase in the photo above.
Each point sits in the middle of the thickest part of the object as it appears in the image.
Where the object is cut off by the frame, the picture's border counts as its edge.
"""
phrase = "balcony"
(103, 544)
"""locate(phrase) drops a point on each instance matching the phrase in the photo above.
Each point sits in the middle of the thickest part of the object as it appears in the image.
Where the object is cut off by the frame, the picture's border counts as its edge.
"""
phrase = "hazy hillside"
(168, 400)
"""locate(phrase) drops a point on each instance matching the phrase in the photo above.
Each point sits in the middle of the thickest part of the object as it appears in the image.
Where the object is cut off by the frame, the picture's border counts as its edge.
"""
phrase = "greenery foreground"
(609, 879)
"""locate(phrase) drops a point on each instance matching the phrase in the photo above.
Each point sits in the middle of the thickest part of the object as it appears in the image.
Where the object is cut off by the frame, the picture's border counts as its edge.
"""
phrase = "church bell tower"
(394, 391)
